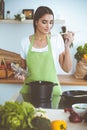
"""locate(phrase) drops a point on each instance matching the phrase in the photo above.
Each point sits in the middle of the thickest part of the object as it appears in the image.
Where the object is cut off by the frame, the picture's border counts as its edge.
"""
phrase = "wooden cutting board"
(10, 56)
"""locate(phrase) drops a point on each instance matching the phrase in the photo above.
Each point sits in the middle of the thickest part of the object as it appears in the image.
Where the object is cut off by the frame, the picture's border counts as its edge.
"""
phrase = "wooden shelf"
(57, 21)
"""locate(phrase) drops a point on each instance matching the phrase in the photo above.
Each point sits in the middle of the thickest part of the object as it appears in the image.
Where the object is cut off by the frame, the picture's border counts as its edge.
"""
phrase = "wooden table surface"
(71, 80)
(59, 114)
(63, 79)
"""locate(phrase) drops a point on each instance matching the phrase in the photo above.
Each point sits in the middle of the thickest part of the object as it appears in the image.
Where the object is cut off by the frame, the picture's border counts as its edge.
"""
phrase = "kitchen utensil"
(71, 97)
(18, 69)
(40, 93)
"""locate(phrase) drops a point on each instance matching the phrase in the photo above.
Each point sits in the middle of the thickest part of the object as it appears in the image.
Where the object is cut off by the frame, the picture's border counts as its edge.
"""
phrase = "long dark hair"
(42, 10)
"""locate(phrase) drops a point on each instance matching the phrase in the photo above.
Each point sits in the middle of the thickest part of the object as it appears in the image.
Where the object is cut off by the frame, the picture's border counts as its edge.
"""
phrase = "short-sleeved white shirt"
(57, 46)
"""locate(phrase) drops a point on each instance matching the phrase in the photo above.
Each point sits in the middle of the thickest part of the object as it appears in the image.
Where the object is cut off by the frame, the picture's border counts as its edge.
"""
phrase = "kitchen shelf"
(57, 21)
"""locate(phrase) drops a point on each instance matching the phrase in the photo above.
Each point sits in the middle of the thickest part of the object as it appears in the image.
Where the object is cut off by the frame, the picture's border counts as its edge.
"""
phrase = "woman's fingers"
(19, 76)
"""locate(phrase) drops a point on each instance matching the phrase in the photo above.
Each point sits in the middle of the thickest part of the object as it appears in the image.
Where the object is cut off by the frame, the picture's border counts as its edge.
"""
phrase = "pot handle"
(27, 83)
(55, 84)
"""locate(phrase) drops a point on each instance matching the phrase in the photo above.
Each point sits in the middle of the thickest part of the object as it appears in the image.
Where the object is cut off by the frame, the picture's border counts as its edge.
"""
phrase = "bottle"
(8, 14)
(2, 6)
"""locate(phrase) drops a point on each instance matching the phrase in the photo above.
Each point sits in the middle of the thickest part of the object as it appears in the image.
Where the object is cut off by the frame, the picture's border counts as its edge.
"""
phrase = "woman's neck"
(40, 40)
(40, 37)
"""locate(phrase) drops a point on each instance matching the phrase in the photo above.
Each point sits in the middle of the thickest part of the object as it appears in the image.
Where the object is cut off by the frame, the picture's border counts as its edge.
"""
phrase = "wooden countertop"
(71, 80)
(59, 114)
(64, 80)
(10, 81)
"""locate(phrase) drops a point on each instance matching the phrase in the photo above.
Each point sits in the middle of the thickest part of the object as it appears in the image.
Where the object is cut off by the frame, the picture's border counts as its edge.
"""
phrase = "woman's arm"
(65, 60)
(65, 57)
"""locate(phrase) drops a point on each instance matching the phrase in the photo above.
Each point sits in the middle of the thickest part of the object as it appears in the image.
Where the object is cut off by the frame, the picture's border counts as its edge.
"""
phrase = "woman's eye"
(44, 21)
(51, 22)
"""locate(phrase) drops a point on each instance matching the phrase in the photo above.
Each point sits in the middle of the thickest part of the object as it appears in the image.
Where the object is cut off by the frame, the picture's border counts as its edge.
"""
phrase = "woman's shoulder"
(25, 41)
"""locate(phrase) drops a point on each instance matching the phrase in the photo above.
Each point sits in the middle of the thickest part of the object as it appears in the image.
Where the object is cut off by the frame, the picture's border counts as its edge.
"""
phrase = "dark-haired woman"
(41, 52)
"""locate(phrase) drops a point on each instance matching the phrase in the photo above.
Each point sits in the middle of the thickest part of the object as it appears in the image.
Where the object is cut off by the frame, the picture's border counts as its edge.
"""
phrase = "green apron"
(41, 67)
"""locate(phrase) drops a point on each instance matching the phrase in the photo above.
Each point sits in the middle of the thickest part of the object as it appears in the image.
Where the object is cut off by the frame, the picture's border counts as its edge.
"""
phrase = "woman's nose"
(48, 26)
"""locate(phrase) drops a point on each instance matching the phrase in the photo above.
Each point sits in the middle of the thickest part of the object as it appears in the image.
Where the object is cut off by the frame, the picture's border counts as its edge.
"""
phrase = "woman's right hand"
(20, 76)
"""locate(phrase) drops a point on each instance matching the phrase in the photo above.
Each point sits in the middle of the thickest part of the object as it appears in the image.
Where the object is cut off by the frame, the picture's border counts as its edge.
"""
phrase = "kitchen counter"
(55, 114)
(64, 80)
(71, 80)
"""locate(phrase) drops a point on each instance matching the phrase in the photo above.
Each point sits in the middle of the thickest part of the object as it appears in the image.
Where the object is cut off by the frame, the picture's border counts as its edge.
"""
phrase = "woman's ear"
(36, 23)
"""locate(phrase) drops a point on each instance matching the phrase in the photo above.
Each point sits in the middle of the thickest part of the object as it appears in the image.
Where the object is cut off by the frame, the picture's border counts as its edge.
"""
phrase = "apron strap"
(32, 42)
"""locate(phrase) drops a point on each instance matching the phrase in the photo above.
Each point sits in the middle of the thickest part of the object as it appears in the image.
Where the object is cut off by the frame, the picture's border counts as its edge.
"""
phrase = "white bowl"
(80, 108)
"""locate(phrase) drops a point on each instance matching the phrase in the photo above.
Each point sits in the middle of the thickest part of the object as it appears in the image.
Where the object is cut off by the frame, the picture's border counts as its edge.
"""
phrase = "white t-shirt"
(57, 46)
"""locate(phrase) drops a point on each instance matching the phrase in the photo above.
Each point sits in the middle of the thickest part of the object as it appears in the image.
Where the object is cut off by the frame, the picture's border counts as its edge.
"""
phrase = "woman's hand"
(68, 38)
(65, 58)
(20, 76)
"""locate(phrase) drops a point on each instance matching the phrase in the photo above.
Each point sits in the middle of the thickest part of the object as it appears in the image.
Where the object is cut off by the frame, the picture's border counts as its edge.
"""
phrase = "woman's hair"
(41, 11)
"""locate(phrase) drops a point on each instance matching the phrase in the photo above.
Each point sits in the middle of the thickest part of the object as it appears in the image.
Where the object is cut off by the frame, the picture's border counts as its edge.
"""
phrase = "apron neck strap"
(32, 41)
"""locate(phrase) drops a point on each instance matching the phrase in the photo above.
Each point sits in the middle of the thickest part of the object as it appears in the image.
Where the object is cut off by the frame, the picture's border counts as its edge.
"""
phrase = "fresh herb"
(80, 107)
(81, 50)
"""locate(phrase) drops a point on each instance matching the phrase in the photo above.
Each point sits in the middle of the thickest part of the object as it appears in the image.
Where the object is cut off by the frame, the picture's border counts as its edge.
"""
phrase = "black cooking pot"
(74, 96)
(40, 93)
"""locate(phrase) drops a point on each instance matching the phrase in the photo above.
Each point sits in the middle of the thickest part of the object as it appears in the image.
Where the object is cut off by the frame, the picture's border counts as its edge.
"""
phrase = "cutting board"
(10, 56)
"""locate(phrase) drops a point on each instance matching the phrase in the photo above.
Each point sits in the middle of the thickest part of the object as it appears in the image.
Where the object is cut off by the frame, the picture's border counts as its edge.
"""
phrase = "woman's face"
(45, 23)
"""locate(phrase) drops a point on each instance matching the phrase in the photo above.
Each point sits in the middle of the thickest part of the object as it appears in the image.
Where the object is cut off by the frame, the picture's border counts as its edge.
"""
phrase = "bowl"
(80, 108)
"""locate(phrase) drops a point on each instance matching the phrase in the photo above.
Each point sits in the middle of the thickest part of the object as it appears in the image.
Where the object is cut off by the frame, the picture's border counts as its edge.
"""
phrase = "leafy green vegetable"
(19, 116)
(41, 123)
(16, 116)
(81, 50)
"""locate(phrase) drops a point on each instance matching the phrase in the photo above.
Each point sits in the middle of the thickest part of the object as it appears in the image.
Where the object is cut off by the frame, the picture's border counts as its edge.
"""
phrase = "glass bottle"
(8, 14)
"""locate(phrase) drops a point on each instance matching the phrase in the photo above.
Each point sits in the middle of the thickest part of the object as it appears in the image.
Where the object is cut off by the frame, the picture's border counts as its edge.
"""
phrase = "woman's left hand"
(68, 38)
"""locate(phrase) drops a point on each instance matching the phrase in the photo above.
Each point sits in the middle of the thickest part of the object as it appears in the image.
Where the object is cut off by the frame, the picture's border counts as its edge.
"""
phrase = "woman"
(40, 53)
